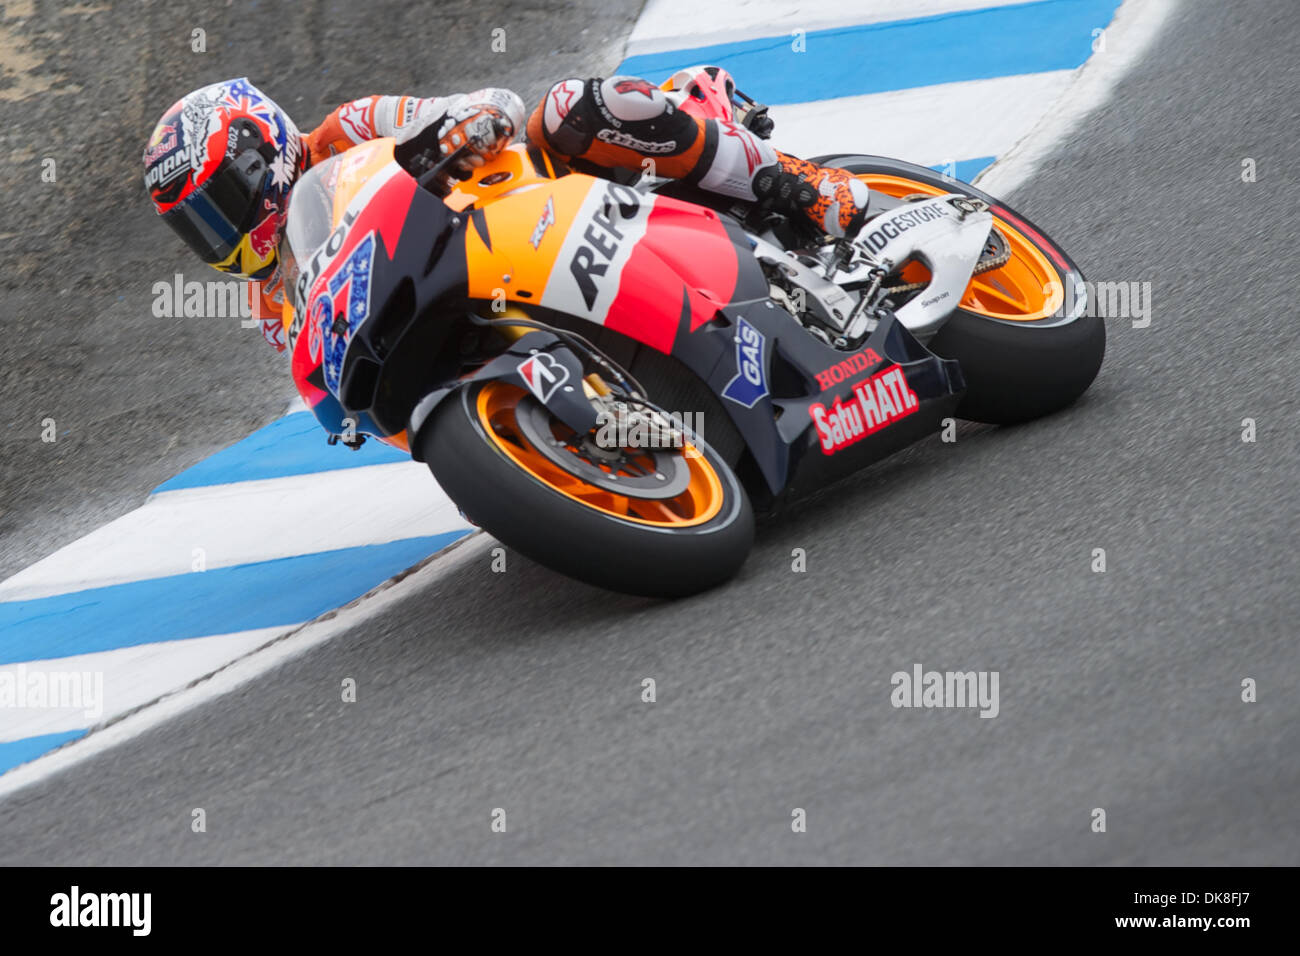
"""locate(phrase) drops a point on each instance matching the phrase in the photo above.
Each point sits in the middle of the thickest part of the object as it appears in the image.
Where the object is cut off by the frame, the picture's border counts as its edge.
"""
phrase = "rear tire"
(1015, 370)
(1018, 374)
(585, 542)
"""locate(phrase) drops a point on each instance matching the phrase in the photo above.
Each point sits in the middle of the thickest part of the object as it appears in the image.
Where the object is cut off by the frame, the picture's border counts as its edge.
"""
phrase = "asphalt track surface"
(522, 690)
(135, 398)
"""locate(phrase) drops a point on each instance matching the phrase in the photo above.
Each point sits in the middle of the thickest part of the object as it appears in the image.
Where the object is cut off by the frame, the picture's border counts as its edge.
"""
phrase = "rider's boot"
(833, 199)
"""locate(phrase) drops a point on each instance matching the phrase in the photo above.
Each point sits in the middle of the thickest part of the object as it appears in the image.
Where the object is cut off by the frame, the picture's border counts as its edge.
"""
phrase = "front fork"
(541, 362)
(593, 386)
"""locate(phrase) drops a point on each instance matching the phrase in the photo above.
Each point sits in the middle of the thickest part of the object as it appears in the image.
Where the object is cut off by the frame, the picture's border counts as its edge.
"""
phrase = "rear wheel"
(1024, 344)
(661, 521)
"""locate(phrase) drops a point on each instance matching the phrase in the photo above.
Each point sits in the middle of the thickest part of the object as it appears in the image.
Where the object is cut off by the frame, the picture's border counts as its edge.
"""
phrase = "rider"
(622, 121)
(222, 160)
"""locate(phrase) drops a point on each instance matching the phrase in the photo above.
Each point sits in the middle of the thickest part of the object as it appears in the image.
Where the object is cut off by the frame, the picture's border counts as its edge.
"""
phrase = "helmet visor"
(214, 218)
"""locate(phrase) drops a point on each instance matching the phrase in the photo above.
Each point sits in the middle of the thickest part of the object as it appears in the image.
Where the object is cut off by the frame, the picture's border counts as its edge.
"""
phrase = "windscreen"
(309, 223)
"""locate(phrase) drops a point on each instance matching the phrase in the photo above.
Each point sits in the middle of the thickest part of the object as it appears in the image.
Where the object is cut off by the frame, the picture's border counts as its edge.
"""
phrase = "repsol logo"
(320, 259)
(603, 239)
(895, 226)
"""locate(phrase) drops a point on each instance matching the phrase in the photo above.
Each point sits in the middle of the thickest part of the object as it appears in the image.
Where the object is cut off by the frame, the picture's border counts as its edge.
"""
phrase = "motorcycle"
(556, 345)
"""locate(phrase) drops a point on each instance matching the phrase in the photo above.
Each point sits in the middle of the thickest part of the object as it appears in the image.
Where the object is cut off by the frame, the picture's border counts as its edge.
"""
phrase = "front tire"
(1022, 359)
(481, 444)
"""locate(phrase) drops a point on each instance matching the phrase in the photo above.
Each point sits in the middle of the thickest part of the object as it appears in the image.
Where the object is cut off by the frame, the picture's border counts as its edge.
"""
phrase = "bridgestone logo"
(896, 225)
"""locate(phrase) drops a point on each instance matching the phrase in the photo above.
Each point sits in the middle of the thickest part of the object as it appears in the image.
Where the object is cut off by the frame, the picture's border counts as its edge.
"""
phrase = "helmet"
(704, 91)
(219, 167)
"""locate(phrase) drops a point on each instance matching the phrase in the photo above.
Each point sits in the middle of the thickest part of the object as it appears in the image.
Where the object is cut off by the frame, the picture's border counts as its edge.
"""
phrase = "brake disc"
(666, 476)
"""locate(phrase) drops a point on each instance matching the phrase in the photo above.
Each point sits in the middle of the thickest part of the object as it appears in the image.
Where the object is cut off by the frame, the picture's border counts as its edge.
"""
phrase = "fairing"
(400, 265)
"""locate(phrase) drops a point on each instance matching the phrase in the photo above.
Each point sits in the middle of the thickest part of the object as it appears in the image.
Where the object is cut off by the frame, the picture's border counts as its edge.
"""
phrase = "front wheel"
(1021, 333)
(656, 521)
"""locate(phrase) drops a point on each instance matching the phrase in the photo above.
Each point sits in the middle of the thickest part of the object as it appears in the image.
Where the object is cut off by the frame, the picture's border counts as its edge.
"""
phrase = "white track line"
(243, 523)
(926, 124)
(1127, 39)
(245, 669)
(662, 22)
(117, 674)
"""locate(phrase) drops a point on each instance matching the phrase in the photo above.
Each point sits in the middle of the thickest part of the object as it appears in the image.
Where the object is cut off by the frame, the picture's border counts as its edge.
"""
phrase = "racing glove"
(483, 123)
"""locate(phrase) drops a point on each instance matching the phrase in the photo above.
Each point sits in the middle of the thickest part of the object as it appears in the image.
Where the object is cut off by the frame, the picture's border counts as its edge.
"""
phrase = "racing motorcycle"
(611, 372)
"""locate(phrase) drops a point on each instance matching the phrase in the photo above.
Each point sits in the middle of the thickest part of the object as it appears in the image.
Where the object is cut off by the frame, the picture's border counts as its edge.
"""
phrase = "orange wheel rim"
(700, 502)
(1028, 287)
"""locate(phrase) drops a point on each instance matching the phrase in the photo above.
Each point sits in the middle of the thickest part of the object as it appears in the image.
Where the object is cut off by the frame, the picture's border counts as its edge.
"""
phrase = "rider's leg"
(624, 121)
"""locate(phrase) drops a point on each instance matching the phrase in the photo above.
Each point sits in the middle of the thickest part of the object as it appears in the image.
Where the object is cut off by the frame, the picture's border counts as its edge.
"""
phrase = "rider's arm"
(266, 305)
(485, 119)
(372, 117)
